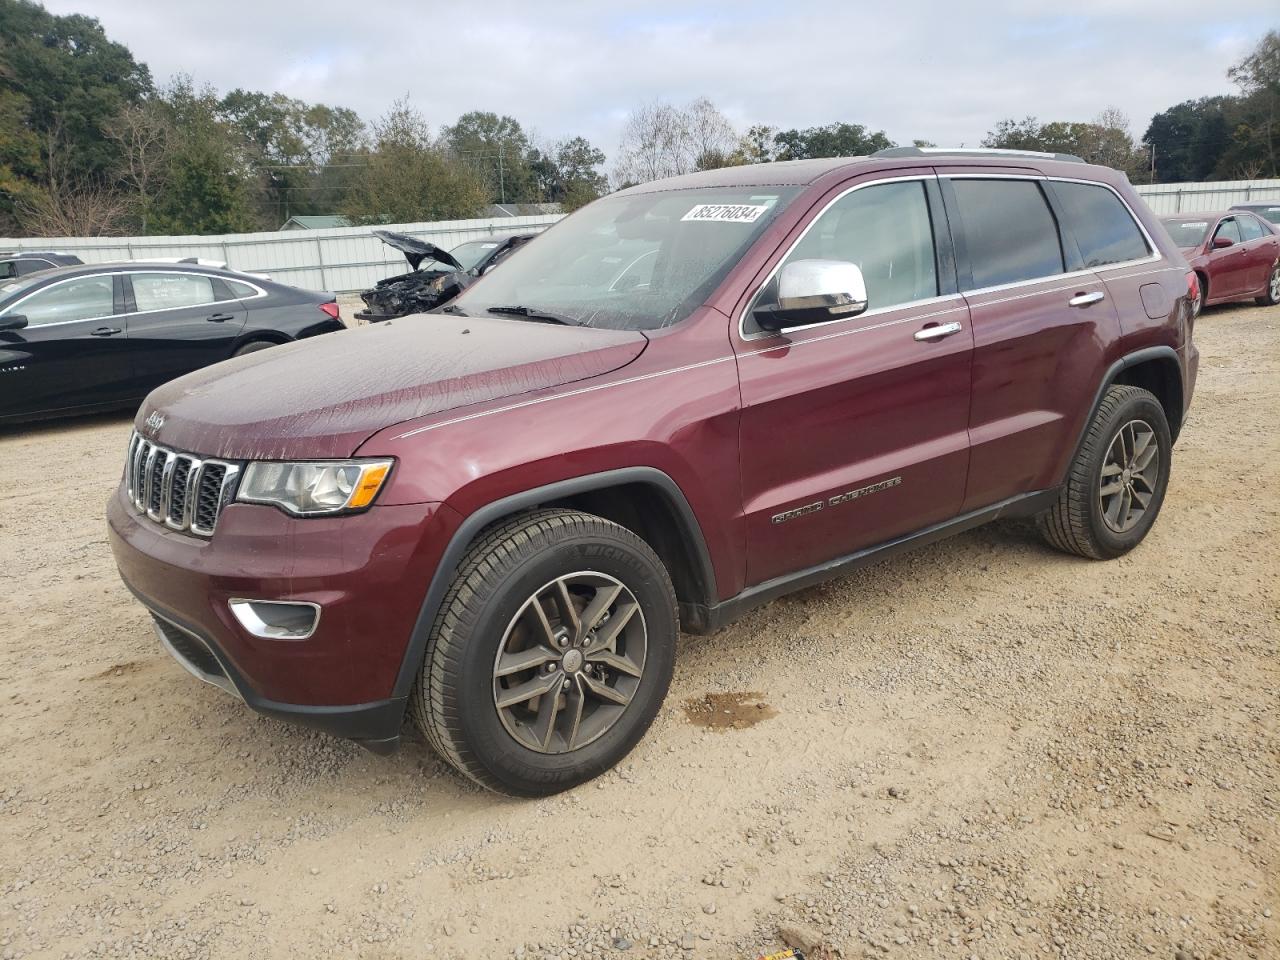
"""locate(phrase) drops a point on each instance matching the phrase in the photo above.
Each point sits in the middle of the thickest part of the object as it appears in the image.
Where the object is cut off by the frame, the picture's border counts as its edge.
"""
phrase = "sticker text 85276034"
(726, 212)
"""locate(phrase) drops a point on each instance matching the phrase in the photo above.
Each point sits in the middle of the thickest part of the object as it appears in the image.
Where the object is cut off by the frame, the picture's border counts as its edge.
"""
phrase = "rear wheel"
(1271, 296)
(1117, 481)
(551, 654)
(253, 347)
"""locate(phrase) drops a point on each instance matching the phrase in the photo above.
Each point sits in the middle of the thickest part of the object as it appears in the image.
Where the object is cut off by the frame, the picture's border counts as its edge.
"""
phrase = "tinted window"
(169, 291)
(85, 298)
(887, 232)
(1009, 231)
(1250, 228)
(1229, 230)
(1103, 228)
(25, 267)
(240, 290)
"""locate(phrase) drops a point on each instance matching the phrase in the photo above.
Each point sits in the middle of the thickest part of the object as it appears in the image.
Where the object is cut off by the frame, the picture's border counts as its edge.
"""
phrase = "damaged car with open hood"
(436, 275)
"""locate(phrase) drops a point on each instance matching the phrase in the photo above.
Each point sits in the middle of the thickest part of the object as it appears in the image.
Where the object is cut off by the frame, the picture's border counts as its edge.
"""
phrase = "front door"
(1229, 271)
(854, 432)
(178, 325)
(72, 353)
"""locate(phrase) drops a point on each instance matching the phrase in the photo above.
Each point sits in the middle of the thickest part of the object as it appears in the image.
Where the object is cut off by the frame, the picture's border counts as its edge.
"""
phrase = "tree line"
(91, 145)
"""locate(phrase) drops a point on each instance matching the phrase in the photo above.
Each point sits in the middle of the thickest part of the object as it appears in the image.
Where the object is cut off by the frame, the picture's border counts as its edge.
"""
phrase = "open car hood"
(415, 250)
(322, 397)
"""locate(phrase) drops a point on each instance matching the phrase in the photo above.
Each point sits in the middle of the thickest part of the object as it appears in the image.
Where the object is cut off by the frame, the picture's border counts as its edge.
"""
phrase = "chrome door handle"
(939, 331)
(1086, 299)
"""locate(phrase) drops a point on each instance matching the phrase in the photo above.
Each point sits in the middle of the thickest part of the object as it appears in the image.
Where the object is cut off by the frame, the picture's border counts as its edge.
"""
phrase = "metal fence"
(340, 259)
(1166, 198)
(344, 259)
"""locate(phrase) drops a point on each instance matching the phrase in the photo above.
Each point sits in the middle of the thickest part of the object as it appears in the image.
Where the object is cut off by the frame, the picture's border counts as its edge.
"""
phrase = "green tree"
(209, 175)
(61, 79)
(758, 145)
(409, 178)
(833, 140)
(569, 173)
(1190, 138)
(1256, 135)
(498, 150)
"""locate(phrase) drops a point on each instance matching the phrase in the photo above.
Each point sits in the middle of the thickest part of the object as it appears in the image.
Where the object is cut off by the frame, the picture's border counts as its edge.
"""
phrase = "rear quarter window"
(1103, 228)
(1010, 233)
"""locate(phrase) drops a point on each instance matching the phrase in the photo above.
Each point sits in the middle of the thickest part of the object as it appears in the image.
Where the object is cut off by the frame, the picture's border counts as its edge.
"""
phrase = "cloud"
(940, 71)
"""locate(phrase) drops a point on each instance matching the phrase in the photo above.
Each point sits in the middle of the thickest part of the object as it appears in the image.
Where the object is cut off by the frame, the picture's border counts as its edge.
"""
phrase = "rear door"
(1039, 320)
(179, 322)
(1259, 252)
(854, 431)
(73, 351)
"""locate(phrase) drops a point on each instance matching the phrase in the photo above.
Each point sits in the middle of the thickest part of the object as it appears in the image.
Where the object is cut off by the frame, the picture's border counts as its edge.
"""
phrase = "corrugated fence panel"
(343, 259)
(1168, 198)
(340, 259)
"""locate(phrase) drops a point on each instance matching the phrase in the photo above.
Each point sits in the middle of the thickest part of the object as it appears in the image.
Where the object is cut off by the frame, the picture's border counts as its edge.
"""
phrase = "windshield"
(8, 288)
(1271, 214)
(468, 254)
(633, 263)
(1187, 233)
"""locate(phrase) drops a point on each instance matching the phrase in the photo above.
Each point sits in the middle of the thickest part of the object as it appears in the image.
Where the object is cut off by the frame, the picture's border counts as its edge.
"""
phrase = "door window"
(1009, 231)
(1104, 230)
(1230, 230)
(84, 298)
(886, 230)
(170, 291)
(1250, 229)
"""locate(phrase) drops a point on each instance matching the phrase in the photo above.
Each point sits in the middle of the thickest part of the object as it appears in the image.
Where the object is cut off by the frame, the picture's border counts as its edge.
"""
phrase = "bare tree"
(79, 210)
(662, 140)
(144, 136)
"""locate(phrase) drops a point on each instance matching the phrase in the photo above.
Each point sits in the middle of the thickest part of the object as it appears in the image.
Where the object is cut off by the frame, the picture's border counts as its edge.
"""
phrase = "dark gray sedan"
(98, 336)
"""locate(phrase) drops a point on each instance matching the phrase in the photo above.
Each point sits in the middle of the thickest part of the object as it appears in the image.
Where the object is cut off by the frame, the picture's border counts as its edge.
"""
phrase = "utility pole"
(502, 183)
(1153, 161)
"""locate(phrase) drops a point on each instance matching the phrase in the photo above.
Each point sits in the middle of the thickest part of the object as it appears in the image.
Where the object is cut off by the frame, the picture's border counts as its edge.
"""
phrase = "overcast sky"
(942, 71)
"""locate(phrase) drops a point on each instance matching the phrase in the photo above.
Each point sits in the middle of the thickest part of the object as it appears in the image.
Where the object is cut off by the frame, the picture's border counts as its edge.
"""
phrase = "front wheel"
(1117, 481)
(551, 654)
(1271, 296)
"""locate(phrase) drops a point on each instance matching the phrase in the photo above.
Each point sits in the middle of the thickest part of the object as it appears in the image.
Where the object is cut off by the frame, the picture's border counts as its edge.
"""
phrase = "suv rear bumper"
(367, 573)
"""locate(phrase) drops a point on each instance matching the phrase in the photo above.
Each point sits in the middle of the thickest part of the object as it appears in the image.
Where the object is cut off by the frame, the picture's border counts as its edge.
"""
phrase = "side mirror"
(811, 291)
(1220, 242)
(12, 321)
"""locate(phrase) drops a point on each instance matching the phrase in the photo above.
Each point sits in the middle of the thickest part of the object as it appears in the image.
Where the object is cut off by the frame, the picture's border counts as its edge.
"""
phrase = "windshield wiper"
(533, 313)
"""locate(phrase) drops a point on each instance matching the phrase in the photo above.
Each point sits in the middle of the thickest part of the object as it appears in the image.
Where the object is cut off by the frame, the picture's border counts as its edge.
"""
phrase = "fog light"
(277, 619)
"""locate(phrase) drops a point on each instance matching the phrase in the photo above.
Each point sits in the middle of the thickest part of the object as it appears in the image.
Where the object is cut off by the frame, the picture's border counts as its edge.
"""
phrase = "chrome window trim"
(133, 313)
(766, 334)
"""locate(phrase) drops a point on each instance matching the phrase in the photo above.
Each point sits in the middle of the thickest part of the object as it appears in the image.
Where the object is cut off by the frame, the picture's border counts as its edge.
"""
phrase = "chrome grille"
(180, 490)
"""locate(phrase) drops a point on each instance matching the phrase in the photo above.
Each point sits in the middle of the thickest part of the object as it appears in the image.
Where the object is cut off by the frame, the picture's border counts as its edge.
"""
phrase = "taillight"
(1193, 285)
(331, 308)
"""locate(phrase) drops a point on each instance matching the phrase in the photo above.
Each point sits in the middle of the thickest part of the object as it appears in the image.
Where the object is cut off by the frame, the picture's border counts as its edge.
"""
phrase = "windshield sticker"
(10, 287)
(1193, 224)
(725, 213)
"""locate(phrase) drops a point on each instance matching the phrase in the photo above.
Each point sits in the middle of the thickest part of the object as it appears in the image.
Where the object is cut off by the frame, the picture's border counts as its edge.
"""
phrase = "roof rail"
(975, 151)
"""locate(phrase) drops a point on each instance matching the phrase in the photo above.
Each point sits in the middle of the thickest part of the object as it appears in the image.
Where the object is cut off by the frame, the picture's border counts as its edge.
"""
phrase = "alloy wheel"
(1274, 287)
(570, 662)
(1129, 476)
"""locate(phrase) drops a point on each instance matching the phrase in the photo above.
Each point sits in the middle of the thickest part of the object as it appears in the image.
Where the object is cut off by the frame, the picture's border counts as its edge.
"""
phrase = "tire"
(1271, 295)
(1089, 518)
(253, 347)
(492, 608)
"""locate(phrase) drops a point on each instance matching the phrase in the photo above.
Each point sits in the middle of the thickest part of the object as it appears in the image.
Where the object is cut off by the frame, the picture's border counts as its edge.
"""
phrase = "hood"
(415, 250)
(324, 396)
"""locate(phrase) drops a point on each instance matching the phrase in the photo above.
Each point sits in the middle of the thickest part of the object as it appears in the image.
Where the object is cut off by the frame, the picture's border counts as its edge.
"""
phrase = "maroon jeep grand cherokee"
(684, 400)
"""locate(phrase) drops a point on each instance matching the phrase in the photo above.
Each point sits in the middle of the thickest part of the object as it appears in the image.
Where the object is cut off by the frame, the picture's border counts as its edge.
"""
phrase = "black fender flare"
(1114, 371)
(415, 651)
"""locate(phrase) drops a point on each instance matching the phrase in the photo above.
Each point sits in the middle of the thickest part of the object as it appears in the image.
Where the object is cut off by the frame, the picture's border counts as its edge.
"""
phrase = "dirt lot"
(985, 749)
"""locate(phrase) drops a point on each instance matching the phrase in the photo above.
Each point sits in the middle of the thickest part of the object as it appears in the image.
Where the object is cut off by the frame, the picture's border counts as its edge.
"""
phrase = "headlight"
(314, 488)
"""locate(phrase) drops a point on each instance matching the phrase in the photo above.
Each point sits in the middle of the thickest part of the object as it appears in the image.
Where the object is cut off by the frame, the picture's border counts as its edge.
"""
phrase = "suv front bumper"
(367, 572)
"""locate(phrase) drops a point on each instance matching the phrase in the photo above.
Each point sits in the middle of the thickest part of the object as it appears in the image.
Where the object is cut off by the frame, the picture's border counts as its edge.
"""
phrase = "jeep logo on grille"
(155, 422)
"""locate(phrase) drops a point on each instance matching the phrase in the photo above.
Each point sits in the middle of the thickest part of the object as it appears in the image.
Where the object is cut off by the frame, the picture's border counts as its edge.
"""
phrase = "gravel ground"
(983, 749)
